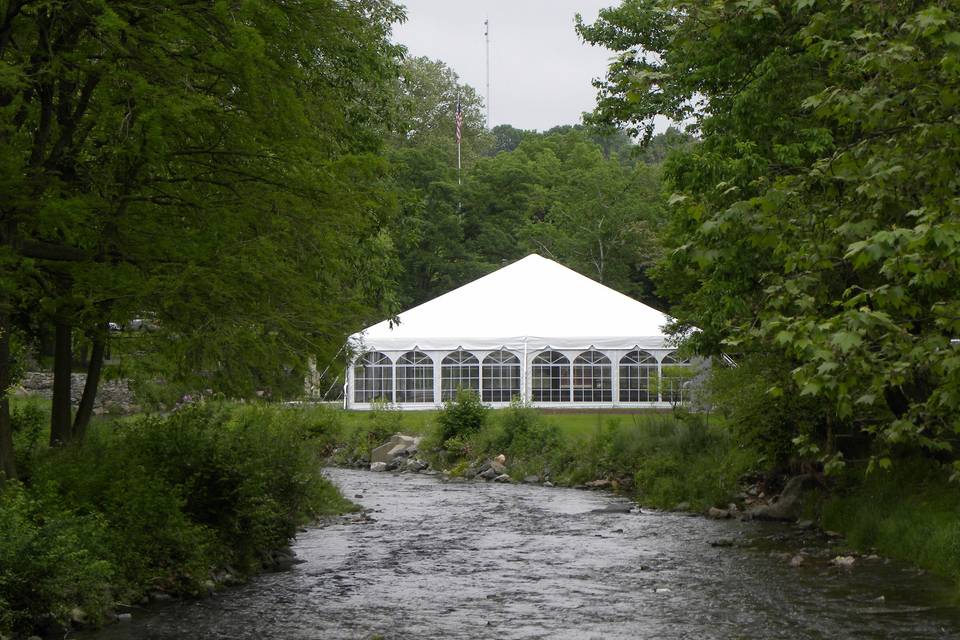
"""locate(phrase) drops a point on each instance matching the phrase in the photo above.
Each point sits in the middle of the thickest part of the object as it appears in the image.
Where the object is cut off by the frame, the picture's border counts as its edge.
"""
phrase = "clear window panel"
(460, 370)
(592, 381)
(501, 377)
(550, 378)
(637, 369)
(373, 378)
(414, 377)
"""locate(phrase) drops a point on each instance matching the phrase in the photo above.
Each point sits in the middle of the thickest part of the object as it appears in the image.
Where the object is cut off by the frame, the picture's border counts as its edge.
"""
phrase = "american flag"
(459, 120)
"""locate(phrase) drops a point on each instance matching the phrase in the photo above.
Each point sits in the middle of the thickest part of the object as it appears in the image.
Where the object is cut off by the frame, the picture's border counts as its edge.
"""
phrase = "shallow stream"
(432, 560)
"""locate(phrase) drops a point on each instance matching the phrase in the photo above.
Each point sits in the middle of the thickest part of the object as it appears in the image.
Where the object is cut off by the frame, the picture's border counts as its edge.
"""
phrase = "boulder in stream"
(399, 446)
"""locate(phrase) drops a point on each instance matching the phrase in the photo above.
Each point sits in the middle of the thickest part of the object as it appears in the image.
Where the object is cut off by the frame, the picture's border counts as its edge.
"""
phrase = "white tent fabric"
(531, 304)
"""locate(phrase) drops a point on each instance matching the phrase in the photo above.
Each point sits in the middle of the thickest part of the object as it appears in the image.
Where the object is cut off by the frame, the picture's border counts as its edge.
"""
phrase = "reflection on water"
(504, 561)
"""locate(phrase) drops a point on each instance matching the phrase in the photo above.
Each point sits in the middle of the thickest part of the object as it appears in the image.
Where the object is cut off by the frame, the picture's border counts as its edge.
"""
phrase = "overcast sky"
(540, 71)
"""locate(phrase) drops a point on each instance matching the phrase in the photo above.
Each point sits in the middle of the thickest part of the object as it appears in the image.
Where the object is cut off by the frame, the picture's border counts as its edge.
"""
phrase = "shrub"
(759, 417)
(29, 422)
(179, 495)
(367, 433)
(464, 416)
(51, 560)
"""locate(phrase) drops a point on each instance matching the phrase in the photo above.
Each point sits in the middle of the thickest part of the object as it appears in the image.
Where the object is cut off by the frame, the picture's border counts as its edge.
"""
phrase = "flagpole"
(459, 120)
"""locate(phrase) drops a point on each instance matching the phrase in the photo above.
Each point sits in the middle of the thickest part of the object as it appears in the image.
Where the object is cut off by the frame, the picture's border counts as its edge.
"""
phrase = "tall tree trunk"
(60, 414)
(8, 469)
(94, 367)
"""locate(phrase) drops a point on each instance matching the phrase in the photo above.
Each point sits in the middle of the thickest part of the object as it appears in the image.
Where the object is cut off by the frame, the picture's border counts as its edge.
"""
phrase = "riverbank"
(909, 512)
(151, 508)
(442, 560)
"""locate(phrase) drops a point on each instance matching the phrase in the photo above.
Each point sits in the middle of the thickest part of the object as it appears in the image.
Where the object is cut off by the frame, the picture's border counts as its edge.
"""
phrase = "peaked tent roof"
(532, 303)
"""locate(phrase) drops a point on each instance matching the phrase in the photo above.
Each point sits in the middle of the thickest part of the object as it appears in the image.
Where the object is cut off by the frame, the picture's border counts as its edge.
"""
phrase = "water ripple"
(524, 562)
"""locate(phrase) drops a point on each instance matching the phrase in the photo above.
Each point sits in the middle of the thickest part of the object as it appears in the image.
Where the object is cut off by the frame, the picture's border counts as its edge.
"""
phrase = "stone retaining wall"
(113, 396)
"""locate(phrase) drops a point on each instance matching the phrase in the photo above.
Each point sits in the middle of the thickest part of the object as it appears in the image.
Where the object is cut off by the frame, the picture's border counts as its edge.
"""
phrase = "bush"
(759, 418)
(51, 560)
(30, 422)
(156, 503)
(464, 416)
(368, 433)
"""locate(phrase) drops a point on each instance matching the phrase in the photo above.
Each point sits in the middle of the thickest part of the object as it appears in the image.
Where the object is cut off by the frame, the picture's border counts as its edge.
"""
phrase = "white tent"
(534, 330)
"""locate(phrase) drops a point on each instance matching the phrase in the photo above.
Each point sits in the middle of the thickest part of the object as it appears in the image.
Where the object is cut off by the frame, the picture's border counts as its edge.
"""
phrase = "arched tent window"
(459, 370)
(592, 378)
(414, 377)
(501, 376)
(373, 378)
(637, 369)
(674, 373)
(550, 377)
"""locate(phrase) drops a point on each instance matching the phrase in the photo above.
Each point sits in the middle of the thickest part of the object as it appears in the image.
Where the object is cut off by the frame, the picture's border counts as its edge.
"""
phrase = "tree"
(507, 137)
(427, 233)
(428, 95)
(602, 216)
(816, 218)
(200, 163)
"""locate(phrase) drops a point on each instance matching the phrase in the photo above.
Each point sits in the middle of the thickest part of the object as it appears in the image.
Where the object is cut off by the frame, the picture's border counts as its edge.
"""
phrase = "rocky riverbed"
(429, 559)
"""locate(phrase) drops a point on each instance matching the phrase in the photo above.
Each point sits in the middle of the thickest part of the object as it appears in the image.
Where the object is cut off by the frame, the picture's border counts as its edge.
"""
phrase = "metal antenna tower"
(486, 35)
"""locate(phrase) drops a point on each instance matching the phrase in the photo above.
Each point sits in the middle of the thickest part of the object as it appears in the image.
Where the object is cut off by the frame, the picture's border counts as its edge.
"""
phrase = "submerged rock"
(617, 507)
(843, 561)
(599, 484)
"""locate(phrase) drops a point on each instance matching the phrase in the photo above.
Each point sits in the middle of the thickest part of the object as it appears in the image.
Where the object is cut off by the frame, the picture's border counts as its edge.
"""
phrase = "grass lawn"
(572, 424)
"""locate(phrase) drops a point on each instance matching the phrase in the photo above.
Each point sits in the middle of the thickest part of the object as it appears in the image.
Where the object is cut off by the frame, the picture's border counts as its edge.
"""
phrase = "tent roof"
(534, 302)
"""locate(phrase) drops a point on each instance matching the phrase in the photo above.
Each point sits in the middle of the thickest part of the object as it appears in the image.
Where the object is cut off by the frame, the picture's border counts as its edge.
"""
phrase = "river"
(433, 560)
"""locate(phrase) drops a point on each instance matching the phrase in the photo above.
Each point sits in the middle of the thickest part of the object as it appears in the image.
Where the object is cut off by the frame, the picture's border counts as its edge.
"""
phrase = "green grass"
(411, 422)
(661, 458)
(911, 512)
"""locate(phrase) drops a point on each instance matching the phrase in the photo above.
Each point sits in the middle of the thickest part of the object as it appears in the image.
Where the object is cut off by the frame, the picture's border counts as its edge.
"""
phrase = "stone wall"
(113, 396)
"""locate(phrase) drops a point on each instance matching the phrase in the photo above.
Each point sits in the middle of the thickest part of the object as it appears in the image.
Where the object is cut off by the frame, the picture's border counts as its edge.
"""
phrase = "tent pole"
(524, 391)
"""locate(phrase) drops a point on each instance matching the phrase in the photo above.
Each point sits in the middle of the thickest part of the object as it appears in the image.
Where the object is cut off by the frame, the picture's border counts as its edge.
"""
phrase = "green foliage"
(159, 503)
(574, 194)
(910, 512)
(51, 560)
(371, 430)
(525, 432)
(758, 400)
(463, 416)
(696, 464)
(669, 459)
(213, 168)
(816, 219)
(531, 442)
(29, 418)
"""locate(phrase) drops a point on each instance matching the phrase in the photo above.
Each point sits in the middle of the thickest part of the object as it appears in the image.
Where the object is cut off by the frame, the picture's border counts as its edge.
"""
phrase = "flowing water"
(432, 560)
